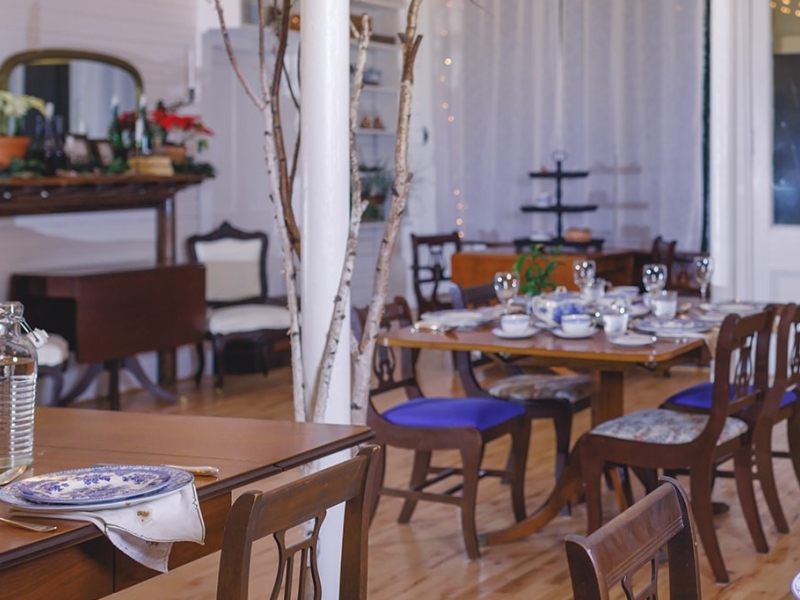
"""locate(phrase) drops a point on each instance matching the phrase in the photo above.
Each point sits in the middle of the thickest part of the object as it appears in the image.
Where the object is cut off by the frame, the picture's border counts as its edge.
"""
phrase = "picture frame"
(78, 150)
(103, 151)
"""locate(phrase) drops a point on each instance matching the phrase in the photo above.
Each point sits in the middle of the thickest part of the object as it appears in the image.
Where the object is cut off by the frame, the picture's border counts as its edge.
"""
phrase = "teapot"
(550, 307)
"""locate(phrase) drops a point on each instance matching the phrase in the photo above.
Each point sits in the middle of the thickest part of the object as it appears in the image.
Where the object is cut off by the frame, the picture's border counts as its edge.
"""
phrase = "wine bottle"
(53, 147)
(142, 136)
(114, 130)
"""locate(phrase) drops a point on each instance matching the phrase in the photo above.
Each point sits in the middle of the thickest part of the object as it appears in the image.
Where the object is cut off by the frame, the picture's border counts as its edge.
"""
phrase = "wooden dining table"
(77, 561)
(607, 361)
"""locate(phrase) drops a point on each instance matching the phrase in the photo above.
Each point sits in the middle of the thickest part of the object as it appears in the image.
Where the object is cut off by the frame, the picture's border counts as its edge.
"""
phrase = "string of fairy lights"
(785, 7)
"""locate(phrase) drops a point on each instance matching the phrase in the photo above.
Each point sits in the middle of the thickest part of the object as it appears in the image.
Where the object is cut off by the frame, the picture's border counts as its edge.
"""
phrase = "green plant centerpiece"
(535, 269)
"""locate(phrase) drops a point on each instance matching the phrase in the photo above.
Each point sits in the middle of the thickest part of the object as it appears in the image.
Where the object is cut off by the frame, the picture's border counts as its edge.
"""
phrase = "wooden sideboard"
(477, 268)
(92, 193)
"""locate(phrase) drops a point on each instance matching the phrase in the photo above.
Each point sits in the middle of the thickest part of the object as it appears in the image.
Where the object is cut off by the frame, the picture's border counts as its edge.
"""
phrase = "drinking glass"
(583, 272)
(654, 277)
(505, 286)
(703, 269)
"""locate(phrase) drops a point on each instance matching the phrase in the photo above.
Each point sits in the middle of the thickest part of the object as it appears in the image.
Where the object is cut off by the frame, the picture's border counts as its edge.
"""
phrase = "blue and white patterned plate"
(95, 484)
(179, 479)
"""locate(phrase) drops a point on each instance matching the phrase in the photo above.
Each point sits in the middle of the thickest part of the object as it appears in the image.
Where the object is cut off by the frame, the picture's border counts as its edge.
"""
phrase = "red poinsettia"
(174, 122)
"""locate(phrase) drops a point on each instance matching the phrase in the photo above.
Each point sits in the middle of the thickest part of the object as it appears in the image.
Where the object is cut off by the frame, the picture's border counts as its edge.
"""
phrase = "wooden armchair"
(257, 514)
(631, 544)
(425, 425)
(663, 252)
(430, 268)
(675, 440)
(236, 293)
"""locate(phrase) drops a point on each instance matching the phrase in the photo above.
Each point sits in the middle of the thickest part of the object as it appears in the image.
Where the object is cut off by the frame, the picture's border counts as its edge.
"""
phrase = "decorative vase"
(12, 147)
(177, 154)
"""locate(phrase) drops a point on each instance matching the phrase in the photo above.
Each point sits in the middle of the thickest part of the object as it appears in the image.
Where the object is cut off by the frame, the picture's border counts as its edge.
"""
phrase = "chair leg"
(419, 472)
(766, 475)
(201, 363)
(700, 483)
(591, 474)
(745, 487)
(793, 434)
(219, 363)
(520, 440)
(471, 455)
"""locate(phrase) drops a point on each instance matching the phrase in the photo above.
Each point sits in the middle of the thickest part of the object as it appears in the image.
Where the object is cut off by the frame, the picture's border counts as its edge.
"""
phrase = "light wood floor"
(425, 560)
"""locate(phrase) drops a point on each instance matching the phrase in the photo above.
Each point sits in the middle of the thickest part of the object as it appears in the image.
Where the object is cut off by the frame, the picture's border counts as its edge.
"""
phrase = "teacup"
(515, 324)
(626, 291)
(576, 324)
(664, 304)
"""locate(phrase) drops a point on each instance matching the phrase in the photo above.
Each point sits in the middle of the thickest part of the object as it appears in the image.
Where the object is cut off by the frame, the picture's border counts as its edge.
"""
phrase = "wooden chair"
(430, 269)
(671, 440)
(780, 404)
(544, 394)
(256, 514)
(424, 425)
(236, 293)
(632, 543)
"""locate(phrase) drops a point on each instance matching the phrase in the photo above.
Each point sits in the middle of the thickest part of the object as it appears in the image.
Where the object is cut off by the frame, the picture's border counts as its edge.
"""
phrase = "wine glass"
(703, 269)
(654, 277)
(505, 286)
(583, 273)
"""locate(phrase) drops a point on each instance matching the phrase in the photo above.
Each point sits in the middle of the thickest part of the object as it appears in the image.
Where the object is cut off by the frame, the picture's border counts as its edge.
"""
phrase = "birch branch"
(272, 163)
(363, 362)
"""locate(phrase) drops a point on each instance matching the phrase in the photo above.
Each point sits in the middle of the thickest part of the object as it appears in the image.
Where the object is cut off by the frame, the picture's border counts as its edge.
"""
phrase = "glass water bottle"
(18, 370)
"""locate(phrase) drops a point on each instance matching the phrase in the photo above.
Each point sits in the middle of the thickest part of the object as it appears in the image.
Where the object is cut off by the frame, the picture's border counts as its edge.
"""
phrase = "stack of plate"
(95, 488)
(717, 311)
(463, 317)
(672, 327)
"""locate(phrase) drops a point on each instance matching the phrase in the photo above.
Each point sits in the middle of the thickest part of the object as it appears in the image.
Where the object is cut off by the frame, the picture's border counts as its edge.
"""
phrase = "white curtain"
(616, 84)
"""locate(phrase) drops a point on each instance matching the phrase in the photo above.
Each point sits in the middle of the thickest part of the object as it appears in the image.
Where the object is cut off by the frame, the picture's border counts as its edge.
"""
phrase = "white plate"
(10, 494)
(672, 326)
(637, 310)
(734, 306)
(633, 339)
(94, 484)
(515, 336)
(796, 586)
(558, 332)
(462, 317)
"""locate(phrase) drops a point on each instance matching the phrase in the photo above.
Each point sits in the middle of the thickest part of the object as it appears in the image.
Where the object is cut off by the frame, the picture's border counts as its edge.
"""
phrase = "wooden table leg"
(607, 403)
(165, 255)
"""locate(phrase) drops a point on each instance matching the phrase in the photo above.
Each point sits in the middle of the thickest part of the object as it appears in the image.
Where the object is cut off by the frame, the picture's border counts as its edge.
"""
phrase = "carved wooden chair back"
(235, 262)
(628, 548)
(430, 268)
(663, 252)
(256, 514)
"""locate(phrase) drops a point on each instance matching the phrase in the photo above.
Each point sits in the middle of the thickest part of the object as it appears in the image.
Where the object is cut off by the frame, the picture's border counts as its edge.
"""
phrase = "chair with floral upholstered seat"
(662, 438)
(544, 394)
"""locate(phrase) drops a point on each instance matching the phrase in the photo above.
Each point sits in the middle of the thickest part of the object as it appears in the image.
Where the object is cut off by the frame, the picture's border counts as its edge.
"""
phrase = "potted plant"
(536, 271)
(376, 185)
(170, 131)
(13, 108)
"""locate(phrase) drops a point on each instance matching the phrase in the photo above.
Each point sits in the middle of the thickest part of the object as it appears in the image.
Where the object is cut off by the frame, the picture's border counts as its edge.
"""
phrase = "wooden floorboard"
(425, 559)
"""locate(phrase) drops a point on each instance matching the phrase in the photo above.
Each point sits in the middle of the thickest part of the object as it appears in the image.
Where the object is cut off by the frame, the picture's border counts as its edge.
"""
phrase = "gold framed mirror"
(80, 83)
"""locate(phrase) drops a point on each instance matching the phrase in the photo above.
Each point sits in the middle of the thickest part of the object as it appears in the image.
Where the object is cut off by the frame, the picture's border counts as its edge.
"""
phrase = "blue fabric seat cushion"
(481, 413)
(699, 396)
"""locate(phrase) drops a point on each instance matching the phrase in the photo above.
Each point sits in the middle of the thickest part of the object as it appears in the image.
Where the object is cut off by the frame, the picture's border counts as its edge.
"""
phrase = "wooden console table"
(93, 193)
(110, 314)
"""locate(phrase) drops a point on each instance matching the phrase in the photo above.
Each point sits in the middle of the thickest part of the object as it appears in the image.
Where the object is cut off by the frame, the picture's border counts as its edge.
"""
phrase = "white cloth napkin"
(145, 531)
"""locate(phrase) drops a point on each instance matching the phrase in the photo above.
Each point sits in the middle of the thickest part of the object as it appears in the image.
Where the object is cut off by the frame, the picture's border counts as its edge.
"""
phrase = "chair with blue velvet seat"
(667, 439)
(425, 425)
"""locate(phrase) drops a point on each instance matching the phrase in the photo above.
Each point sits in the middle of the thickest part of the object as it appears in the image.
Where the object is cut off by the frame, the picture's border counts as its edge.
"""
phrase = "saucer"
(632, 340)
(515, 336)
(558, 332)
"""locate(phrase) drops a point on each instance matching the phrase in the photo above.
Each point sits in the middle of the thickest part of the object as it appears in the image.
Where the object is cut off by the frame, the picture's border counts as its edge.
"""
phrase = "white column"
(325, 61)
